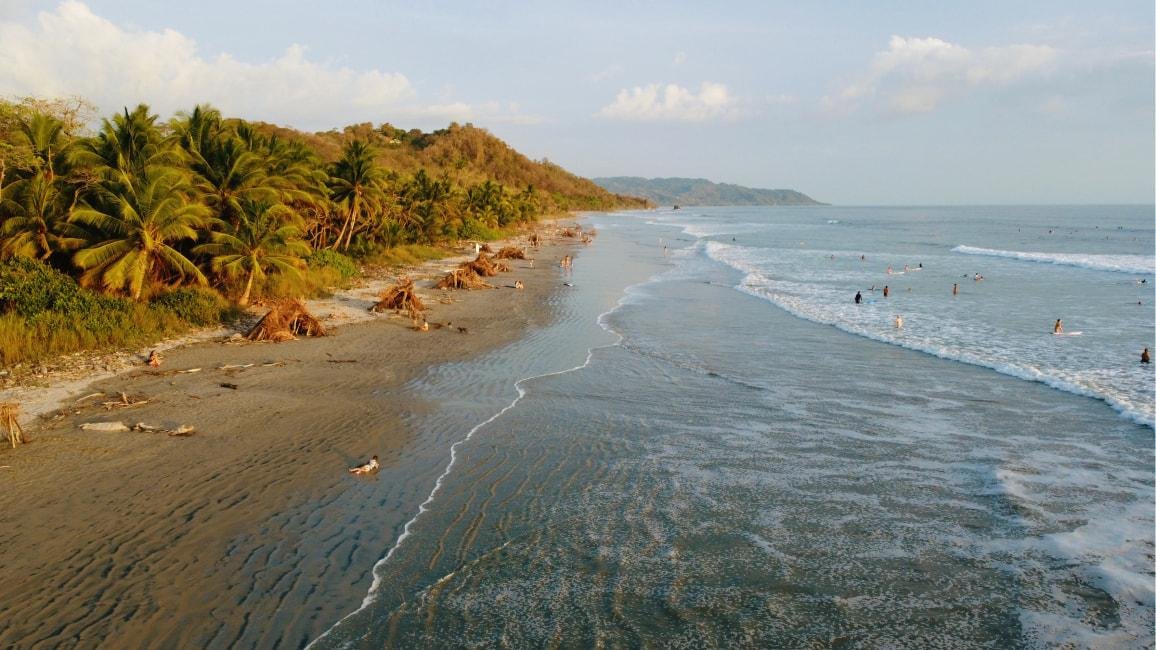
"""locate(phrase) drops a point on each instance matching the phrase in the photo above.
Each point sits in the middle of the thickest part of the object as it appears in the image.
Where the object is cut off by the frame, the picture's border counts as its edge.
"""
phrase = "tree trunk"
(353, 206)
(243, 301)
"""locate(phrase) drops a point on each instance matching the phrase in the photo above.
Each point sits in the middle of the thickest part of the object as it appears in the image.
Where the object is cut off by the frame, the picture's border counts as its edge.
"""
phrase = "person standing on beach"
(858, 297)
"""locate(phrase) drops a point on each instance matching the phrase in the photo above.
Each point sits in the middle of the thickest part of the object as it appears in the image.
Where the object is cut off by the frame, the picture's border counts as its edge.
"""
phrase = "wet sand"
(249, 532)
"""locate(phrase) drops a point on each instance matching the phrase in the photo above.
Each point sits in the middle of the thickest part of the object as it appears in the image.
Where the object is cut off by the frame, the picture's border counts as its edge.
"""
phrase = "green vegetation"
(699, 191)
(137, 230)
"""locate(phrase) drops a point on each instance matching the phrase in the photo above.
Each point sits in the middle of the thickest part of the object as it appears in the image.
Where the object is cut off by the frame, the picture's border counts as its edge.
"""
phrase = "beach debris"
(511, 253)
(398, 297)
(341, 360)
(9, 411)
(569, 232)
(226, 384)
(518, 284)
(189, 371)
(124, 402)
(535, 240)
(284, 322)
(462, 278)
(485, 248)
(463, 330)
(235, 366)
(483, 266)
(155, 359)
(183, 430)
(87, 397)
(104, 426)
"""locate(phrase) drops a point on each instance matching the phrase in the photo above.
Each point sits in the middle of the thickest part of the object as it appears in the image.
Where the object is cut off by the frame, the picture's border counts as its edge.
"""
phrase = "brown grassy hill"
(467, 155)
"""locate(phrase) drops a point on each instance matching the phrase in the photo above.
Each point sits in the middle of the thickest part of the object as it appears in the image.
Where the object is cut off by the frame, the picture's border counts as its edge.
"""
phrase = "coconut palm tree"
(137, 224)
(267, 239)
(126, 147)
(355, 182)
(33, 211)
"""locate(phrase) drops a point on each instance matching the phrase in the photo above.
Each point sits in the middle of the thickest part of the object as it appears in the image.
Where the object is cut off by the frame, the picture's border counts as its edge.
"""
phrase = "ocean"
(714, 445)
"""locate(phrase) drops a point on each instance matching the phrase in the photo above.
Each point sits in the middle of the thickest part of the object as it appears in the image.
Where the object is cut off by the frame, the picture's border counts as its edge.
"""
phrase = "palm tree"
(267, 239)
(356, 184)
(34, 211)
(226, 170)
(139, 222)
(126, 147)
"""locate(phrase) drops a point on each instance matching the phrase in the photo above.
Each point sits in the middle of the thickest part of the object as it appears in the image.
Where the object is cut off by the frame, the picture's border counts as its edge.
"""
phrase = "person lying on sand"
(371, 466)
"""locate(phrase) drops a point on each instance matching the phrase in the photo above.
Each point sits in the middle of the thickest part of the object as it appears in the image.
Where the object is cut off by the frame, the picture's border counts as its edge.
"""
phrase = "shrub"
(194, 305)
(330, 259)
(29, 287)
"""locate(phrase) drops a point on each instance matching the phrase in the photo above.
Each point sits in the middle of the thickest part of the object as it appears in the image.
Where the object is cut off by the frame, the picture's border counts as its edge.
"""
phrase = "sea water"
(715, 446)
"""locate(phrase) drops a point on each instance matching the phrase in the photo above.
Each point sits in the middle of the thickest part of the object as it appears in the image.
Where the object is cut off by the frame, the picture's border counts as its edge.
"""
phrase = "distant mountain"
(700, 191)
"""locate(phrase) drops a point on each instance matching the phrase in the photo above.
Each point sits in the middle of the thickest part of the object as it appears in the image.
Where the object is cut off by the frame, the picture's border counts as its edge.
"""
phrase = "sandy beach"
(142, 539)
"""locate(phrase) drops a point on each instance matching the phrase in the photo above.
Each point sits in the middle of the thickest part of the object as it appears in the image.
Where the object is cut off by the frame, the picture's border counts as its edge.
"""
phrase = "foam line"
(371, 595)
(1132, 264)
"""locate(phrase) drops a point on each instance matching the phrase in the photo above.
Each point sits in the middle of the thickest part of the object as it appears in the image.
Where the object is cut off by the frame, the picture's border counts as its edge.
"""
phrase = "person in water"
(955, 289)
(858, 297)
(1144, 357)
(898, 322)
(886, 291)
(372, 465)
(1058, 328)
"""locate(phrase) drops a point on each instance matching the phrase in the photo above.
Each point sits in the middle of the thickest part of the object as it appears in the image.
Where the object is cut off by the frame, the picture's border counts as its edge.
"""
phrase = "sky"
(853, 103)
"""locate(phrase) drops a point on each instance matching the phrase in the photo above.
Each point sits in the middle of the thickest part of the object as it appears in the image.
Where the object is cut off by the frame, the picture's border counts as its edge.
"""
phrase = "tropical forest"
(118, 233)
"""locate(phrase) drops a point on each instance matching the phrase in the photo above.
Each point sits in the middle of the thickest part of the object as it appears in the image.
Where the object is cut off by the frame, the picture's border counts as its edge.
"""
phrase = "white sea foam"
(1133, 264)
(829, 306)
(628, 295)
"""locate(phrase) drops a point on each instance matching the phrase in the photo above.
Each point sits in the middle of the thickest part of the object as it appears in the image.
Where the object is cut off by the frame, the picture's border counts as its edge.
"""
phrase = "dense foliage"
(142, 207)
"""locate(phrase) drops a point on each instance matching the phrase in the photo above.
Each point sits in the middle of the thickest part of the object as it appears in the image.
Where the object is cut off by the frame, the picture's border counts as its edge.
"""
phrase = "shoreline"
(240, 533)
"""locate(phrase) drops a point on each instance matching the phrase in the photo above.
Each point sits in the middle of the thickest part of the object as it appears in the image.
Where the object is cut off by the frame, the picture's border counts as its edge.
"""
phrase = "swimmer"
(858, 297)
(1058, 328)
(889, 269)
(978, 277)
(905, 268)
(371, 466)
(1144, 357)
(862, 258)
(886, 291)
(955, 289)
(898, 322)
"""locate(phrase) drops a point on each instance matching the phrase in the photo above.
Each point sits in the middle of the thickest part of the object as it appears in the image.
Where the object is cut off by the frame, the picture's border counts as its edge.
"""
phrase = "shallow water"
(692, 456)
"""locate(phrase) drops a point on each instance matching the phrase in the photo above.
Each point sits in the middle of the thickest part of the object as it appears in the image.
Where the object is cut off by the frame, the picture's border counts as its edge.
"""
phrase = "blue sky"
(851, 103)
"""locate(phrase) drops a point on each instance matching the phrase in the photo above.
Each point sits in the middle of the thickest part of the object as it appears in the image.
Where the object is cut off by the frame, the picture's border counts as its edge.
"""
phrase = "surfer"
(1058, 328)
(858, 297)
(1144, 357)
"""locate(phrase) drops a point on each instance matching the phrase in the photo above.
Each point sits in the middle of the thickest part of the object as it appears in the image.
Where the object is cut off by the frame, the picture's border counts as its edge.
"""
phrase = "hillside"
(699, 191)
(467, 155)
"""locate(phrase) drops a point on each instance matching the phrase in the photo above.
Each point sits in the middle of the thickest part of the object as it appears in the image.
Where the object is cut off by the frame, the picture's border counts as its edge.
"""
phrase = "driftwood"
(462, 278)
(535, 239)
(485, 248)
(511, 253)
(287, 320)
(401, 296)
(8, 414)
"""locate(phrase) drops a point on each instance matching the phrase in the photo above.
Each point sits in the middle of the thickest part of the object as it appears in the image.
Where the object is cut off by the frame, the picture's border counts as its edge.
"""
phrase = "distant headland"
(700, 191)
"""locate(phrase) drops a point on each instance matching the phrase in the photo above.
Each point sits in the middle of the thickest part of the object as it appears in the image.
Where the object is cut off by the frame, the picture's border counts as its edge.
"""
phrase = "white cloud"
(915, 75)
(609, 72)
(658, 102)
(72, 51)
